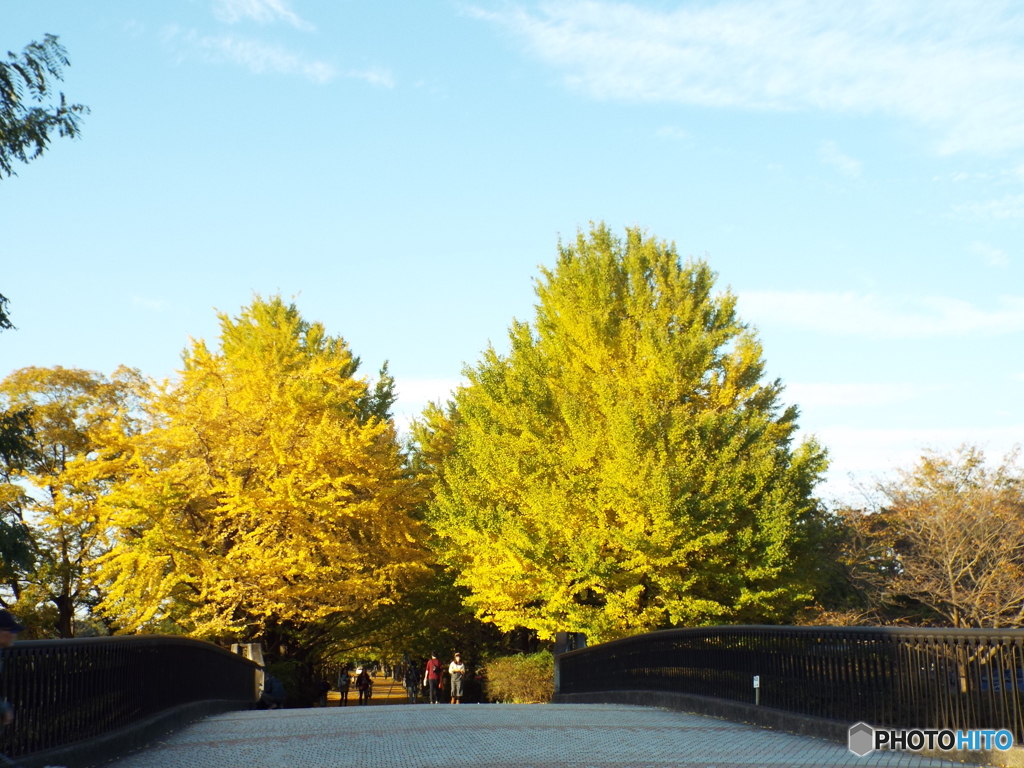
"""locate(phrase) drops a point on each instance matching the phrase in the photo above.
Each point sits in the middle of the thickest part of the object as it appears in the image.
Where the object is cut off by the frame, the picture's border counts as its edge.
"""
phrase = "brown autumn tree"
(947, 545)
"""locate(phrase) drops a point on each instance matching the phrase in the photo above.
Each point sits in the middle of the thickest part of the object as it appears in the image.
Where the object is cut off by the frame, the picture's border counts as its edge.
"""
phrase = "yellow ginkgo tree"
(268, 494)
(74, 422)
(625, 466)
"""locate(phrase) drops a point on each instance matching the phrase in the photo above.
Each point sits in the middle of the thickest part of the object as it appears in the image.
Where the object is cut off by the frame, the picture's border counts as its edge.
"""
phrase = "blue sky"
(853, 171)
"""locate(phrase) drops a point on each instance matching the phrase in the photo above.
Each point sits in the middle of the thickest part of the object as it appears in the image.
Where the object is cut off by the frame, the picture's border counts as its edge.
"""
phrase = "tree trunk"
(65, 616)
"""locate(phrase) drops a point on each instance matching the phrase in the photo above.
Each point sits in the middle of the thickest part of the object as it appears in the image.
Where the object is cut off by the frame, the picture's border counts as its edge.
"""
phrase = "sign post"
(757, 690)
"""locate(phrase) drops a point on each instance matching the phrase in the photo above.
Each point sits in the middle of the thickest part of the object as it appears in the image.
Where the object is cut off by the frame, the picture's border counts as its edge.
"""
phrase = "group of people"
(414, 678)
(363, 684)
(433, 679)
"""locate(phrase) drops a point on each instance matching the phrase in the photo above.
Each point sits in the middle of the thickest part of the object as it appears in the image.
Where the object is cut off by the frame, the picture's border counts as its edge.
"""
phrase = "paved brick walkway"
(493, 736)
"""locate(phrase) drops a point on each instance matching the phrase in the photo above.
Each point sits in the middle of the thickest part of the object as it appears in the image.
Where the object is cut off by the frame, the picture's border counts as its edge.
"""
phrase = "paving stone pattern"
(494, 736)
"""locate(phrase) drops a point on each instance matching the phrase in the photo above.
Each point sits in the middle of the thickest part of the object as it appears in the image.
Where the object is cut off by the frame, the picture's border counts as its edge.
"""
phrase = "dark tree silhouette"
(26, 128)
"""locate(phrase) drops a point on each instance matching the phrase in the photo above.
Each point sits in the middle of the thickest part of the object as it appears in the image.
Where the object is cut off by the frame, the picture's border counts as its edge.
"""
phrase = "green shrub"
(521, 679)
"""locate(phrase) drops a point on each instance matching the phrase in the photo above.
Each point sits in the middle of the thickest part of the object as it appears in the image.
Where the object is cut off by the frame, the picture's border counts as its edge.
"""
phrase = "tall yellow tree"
(75, 423)
(626, 466)
(269, 493)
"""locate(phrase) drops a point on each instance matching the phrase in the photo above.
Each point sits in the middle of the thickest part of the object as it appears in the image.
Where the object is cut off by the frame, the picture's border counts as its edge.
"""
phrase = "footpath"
(385, 691)
(495, 736)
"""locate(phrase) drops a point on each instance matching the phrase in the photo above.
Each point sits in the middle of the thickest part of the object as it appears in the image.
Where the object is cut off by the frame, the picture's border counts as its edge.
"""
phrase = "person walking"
(457, 670)
(322, 687)
(364, 685)
(344, 682)
(412, 681)
(432, 677)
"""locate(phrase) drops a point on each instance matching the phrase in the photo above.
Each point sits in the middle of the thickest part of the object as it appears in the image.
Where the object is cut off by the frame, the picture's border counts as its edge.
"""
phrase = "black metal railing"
(64, 691)
(904, 678)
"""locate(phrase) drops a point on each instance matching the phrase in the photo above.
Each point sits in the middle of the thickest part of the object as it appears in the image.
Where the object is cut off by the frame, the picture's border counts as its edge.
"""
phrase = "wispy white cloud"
(262, 11)
(1006, 207)
(672, 132)
(154, 305)
(962, 176)
(861, 456)
(134, 27)
(260, 57)
(830, 155)
(419, 392)
(887, 317)
(414, 394)
(828, 395)
(873, 449)
(380, 77)
(952, 65)
(256, 56)
(991, 255)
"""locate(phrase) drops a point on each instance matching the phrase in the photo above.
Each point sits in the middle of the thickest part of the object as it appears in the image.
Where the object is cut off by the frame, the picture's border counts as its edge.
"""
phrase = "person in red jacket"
(432, 677)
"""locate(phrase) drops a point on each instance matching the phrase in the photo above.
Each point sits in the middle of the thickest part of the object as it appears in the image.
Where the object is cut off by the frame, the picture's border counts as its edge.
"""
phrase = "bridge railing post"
(565, 642)
(256, 655)
(253, 652)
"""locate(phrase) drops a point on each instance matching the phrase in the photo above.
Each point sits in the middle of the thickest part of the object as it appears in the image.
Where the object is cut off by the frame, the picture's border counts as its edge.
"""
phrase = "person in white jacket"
(457, 670)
